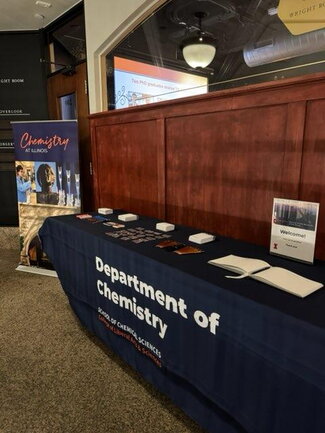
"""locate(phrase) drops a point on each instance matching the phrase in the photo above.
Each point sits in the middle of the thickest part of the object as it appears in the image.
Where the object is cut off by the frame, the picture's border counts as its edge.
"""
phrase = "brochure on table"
(294, 225)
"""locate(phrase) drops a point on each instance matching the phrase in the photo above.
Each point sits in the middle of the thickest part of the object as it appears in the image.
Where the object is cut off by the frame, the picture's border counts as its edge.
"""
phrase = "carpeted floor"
(56, 378)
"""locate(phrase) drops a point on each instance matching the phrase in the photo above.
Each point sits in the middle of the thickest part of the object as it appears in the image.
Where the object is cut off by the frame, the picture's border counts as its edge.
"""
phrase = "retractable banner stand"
(48, 182)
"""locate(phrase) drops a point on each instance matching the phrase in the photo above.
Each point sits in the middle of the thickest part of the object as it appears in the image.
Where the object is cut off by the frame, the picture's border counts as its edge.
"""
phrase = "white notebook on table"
(260, 270)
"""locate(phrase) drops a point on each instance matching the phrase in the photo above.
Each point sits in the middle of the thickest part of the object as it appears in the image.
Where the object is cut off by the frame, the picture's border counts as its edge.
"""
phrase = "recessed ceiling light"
(272, 11)
(43, 4)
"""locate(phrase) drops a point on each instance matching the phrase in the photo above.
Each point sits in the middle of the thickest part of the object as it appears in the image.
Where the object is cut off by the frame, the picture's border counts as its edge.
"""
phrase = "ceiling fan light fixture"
(199, 52)
(43, 4)
(39, 16)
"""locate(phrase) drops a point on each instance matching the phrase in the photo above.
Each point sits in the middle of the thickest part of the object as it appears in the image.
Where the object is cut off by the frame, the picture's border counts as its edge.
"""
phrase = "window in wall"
(138, 83)
(67, 44)
(68, 107)
(252, 45)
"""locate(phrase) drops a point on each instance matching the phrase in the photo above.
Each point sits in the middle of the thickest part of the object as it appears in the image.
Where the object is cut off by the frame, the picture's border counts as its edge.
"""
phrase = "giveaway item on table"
(83, 216)
(201, 238)
(188, 249)
(114, 225)
(96, 219)
(173, 248)
(169, 245)
(165, 227)
(136, 235)
(166, 243)
(91, 220)
(100, 218)
(126, 217)
(105, 211)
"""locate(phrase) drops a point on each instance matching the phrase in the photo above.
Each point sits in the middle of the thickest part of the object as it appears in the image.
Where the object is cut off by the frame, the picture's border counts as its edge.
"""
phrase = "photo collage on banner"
(48, 181)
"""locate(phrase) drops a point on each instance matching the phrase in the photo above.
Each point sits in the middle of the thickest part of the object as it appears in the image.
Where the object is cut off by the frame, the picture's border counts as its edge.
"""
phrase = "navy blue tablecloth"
(236, 355)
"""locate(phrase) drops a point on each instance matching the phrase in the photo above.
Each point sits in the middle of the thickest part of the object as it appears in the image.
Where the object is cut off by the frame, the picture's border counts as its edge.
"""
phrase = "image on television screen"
(138, 83)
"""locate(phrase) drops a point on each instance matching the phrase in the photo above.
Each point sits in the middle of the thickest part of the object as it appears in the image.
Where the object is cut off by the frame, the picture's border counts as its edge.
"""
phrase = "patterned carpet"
(9, 237)
(56, 378)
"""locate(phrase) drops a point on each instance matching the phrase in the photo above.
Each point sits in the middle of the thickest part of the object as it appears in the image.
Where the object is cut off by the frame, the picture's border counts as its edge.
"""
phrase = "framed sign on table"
(294, 226)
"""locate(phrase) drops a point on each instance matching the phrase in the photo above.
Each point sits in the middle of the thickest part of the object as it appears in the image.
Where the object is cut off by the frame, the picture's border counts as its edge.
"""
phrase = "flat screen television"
(137, 83)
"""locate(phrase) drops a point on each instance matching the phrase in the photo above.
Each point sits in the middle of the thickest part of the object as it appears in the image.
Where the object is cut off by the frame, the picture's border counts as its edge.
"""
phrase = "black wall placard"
(22, 97)
(22, 79)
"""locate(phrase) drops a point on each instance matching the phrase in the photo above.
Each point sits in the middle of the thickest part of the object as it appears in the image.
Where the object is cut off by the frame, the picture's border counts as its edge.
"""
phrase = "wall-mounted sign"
(302, 16)
(294, 225)
(6, 143)
(22, 83)
(22, 98)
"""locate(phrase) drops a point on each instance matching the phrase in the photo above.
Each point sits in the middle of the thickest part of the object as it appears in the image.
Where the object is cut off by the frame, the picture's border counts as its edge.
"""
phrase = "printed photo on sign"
(303, 215)
(25, 180)
(294, 225)
(46, 183)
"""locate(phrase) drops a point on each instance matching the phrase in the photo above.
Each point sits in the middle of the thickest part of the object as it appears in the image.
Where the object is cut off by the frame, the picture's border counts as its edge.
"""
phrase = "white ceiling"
(30, 14)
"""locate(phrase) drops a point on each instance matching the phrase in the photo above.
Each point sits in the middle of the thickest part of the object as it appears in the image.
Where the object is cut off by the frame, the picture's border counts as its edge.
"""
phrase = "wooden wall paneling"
(84, 135)
(59, 85)
(144, 161)
(128, 115)
(222, 158)
(161, 168)
(130, 166)
(223, 170)
(277, 92)
(312, 186)
(293, 145)
(111, 167)
(94, 167)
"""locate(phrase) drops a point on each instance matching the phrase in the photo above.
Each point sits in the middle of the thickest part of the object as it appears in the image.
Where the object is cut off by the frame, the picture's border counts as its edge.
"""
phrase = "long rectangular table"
(236, 355)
